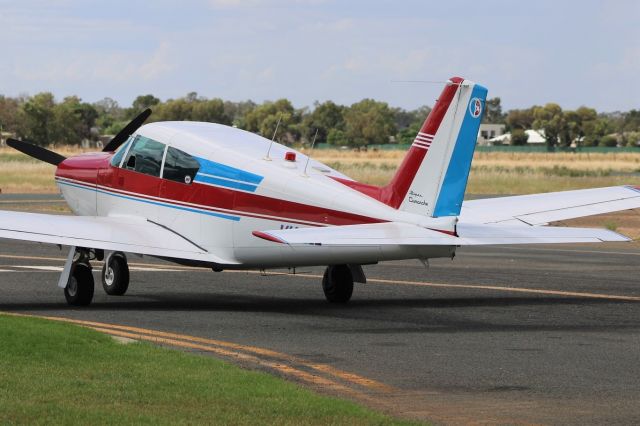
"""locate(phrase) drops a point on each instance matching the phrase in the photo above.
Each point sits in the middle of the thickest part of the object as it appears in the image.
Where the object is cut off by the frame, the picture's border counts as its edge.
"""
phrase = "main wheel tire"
(337, 284)
(115, 275)
(79, 289)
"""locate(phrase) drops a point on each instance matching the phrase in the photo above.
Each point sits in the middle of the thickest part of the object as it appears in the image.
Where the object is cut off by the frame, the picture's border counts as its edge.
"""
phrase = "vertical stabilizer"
(433, 175)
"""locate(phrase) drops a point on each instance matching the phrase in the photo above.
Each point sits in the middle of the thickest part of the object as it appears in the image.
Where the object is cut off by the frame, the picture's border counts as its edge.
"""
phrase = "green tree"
(576, 124)
(236, 111)
(210, 110)
(324, 117)
(9, 114)
(608, 141)
(173, 110)
(337, 137)
(67, 126)
(141, 103)
(493, 112)
(369, 122)
(550, 119)
(38, 119)
(409, 126)
(595, 130)
(519, 137)
(520, 119)
(264, 118)
(110, 116)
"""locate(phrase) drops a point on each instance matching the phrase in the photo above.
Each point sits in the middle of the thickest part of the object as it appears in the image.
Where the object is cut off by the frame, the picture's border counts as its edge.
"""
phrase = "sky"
(573, 53)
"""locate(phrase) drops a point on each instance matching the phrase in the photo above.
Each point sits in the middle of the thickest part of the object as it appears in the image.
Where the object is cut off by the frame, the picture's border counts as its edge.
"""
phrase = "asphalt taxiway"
(499, 335)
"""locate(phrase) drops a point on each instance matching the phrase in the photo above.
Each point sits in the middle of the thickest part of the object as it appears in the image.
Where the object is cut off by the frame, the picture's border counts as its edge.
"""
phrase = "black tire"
(115, 276)
(79, 289)
(337, 284)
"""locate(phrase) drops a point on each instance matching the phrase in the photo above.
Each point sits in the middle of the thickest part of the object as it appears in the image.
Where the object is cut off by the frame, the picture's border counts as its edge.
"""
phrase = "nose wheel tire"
(79, 289)
(115, 275)
(337, 284)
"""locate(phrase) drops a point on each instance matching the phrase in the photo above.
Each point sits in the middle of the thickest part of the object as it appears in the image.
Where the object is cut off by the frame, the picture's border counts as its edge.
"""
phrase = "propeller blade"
(36, 151)
(124, 134)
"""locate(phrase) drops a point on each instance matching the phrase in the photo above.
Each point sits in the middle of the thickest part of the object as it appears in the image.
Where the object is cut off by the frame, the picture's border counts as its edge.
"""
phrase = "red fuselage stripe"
(221, 200)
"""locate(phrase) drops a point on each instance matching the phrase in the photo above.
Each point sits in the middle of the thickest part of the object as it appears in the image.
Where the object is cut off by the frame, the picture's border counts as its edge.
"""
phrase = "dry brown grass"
(503, 172)
(492, 173)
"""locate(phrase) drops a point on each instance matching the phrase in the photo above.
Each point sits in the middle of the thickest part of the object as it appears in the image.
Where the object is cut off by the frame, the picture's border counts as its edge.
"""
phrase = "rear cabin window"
(180, 166)
(145, 156)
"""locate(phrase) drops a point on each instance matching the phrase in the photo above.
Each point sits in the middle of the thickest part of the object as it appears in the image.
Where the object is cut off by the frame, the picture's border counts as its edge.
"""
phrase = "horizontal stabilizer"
(540, 209)
(394, 233)
(474, 234)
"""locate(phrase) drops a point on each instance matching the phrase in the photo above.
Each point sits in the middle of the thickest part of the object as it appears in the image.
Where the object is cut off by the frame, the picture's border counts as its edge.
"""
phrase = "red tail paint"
(393, 193)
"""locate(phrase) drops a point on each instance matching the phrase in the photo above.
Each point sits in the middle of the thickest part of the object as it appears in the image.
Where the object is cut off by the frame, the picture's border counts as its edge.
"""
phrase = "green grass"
(54, 373)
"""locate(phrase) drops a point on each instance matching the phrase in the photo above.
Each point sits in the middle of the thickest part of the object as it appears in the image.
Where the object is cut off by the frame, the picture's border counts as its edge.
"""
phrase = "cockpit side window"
(180, 166)
(145, 156)
(117, 158)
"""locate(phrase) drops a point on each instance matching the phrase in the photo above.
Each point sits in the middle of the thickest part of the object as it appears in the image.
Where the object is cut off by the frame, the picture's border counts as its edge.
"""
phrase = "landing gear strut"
(115, 274)
(337, 283)
(79, 288)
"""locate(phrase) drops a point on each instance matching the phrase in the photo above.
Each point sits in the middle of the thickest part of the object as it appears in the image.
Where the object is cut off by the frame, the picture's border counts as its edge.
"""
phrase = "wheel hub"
(72, 286)
(109, 276)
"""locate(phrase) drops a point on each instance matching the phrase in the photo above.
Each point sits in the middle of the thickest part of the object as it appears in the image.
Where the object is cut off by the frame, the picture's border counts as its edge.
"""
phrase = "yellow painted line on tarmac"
(511, 289)
(18, 202)
(283, 368)
(14, 256)
(229, 349)
(479, 287)
(389, 282)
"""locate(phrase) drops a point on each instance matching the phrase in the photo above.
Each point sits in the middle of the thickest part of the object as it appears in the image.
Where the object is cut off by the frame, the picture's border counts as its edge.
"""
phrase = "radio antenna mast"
(275, 132)
(309, 156)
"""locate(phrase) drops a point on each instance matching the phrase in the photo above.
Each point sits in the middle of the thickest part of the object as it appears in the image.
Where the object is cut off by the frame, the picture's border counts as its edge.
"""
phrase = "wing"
(131, 235)
(395, 233)
(540, 209)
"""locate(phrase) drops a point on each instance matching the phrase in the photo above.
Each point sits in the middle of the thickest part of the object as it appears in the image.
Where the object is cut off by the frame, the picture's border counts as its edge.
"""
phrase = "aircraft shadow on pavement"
(389, 315)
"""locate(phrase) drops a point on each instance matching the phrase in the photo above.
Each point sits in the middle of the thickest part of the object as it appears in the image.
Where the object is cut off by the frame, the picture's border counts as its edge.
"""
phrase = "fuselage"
(215, 185)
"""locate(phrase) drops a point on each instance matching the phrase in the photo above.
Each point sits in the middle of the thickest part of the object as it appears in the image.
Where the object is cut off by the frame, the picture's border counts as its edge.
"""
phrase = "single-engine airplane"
(214, 196)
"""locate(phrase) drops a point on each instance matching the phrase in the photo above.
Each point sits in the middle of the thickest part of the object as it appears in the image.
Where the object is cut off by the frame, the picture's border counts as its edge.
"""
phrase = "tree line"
(46, 121)
(565, 128)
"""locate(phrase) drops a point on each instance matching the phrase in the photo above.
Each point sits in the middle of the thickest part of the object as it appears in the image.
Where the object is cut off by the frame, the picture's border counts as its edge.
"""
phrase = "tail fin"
(433, 175)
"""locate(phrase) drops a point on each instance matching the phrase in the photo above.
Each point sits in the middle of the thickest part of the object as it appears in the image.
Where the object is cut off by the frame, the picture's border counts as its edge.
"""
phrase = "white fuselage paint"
(283, 180)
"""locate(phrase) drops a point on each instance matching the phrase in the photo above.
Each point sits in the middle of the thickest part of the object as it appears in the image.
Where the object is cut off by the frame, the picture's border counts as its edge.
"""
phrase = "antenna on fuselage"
(275, 132)
(309, 156)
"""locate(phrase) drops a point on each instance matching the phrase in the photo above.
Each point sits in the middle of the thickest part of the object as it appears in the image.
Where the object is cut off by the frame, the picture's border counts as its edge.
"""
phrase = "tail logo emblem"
(475, 107)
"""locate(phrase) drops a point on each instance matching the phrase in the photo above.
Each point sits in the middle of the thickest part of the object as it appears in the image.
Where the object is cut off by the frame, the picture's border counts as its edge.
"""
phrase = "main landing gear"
(337, 282)
(115, 274)
(79, 284)
(79, 288)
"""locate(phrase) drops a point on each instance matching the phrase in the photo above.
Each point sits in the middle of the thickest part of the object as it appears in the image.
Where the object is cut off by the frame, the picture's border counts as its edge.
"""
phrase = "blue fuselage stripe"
(221, 170)
(142, 200)
(225, 183)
